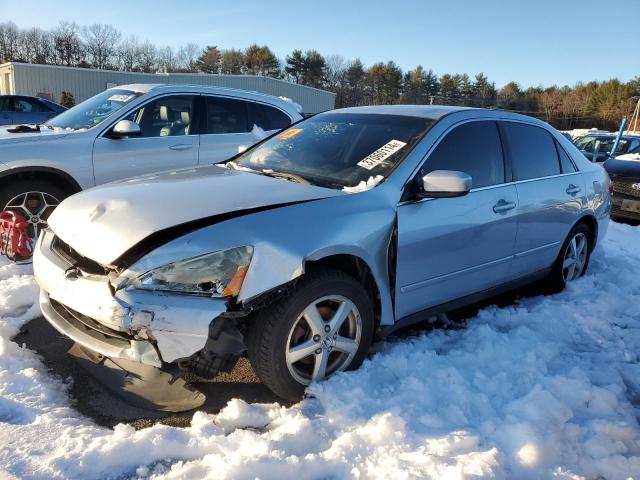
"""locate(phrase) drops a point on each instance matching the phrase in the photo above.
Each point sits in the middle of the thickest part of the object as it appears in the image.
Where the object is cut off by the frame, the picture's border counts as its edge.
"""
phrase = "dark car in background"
(22, 109)
(597, 147)
(625, 183)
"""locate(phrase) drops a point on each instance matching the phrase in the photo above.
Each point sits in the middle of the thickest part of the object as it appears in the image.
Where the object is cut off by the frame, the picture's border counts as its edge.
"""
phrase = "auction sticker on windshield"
(290, 133)
(120, 98)
(380, 155)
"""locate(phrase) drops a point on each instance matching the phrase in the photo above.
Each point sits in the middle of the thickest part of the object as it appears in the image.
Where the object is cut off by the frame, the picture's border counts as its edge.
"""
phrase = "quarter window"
(225, 115)
(170, 116)
(565, 162)
(473, 148)
(532, 150)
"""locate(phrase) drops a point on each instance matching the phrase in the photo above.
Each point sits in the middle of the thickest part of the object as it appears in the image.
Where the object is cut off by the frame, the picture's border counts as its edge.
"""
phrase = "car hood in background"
(7, 137)
(103, 223)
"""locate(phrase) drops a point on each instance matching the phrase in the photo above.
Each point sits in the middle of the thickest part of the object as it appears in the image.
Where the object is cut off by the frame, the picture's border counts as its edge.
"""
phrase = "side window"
(170, 116)
(565, 162)
(23, 106)
(634, 147)
(532, 150)
(267, 118)
(473, 148)
(225, 115)
(43, 107)
(4, 104)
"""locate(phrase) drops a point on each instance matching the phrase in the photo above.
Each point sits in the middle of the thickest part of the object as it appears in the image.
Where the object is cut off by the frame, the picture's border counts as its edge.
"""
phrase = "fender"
(75, 186)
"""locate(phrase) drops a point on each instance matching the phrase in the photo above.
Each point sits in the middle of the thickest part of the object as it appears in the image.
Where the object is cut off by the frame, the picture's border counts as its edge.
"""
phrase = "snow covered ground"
(544, 389)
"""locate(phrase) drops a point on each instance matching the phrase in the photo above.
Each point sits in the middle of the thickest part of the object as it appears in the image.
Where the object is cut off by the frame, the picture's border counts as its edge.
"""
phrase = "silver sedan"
(305, 248)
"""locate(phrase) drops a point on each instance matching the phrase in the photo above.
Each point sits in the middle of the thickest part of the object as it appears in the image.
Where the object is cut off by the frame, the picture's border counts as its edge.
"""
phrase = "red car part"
(15, 242)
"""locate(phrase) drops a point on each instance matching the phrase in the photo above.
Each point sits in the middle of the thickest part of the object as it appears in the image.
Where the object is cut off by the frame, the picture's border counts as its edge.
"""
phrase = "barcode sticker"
(380, 155)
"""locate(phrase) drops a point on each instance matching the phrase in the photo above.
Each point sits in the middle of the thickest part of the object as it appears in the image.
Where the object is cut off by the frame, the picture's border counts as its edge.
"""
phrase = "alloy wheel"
(575, 257)
(323, 339)
(35, 207)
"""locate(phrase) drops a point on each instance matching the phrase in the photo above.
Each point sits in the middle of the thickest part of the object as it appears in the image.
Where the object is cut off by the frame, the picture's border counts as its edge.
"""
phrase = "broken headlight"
(217, 274)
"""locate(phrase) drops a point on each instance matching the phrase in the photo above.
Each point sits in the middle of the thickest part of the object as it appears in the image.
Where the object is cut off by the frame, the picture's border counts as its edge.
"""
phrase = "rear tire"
(573, 259)
(304, 337)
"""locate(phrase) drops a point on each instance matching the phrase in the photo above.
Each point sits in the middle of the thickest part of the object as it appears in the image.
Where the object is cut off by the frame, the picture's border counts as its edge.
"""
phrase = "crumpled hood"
(7, 137)
(102, 223)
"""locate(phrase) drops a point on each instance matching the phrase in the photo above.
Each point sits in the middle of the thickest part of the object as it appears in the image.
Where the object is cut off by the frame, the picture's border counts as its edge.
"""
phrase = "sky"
(541, 42)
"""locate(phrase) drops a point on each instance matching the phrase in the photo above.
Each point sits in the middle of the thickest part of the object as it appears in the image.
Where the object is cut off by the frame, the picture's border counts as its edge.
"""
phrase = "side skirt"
(427, 313)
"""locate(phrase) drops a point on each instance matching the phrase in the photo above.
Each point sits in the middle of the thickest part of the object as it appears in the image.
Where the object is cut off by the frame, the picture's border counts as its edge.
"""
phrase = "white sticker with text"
(380, 155)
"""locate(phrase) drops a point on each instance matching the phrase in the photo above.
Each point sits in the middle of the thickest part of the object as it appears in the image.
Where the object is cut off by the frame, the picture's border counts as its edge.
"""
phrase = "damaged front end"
(139, 341)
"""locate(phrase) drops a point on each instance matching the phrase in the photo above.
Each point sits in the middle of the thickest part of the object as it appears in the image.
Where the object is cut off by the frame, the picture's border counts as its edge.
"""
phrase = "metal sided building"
(50, 81)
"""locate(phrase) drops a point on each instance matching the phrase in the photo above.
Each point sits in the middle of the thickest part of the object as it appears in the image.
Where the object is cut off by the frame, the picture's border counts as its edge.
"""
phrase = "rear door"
(230, 124)
(551, 194)
(452, 247)
(168, 140)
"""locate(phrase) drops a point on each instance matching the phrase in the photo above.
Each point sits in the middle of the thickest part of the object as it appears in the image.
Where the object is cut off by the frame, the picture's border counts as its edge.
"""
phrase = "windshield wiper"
(286, 176)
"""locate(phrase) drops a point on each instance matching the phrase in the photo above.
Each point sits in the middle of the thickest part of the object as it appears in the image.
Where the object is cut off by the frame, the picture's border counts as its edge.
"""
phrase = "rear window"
(267, 118)
(226, 115)
(532, 149)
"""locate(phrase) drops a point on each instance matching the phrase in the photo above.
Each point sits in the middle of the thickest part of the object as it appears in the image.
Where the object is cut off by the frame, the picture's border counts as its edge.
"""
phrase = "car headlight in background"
(217, 274)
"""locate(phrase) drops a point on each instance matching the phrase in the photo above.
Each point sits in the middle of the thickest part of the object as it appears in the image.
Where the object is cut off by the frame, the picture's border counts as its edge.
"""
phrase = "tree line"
(584, 105)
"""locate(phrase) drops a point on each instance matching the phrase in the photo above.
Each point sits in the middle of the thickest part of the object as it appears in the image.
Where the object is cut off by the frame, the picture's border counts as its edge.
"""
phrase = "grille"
(74, 258)
(626, 189)
(88, 323)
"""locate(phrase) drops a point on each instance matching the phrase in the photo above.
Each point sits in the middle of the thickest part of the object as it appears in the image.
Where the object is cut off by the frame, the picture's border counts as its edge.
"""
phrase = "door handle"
(503, 206)
(181, 146)
(573, 189)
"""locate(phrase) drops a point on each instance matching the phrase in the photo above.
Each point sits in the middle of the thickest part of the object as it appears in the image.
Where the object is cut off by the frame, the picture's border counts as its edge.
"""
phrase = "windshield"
(588, 144)
(338, 150)
(93, 111)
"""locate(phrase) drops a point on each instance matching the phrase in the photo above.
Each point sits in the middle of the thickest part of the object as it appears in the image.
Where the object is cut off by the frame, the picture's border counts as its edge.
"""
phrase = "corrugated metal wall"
(84, 83)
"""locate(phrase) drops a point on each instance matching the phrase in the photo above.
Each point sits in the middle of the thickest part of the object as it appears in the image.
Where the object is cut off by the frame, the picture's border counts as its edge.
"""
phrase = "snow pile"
(543, 389)
(363, 186)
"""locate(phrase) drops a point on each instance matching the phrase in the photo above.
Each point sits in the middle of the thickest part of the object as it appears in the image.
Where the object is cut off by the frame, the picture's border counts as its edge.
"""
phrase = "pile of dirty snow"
(544, 389)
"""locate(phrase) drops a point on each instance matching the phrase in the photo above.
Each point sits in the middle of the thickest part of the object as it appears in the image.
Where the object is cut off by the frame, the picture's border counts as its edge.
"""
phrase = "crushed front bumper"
(145, 327)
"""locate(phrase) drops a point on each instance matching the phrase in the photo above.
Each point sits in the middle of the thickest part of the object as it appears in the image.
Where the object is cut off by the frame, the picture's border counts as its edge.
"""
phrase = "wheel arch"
(357, 268)
(48, 174)
(591, 223)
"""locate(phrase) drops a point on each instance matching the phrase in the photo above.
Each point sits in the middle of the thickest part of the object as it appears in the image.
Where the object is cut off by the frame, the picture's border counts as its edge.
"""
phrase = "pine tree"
(295, 65)
(209, 60)
(314, 69)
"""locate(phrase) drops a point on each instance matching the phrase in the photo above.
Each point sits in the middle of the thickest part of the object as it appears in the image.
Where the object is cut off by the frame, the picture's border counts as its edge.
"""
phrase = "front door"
(452, 247)
(168, 140)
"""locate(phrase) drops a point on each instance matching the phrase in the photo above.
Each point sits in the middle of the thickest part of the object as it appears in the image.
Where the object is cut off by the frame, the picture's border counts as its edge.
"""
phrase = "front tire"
(33, 199)
(325, 326)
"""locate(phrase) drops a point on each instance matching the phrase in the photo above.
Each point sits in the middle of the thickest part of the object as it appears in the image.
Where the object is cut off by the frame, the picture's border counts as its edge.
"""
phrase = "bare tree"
(67, 45)
(147, 57)
(37, 46)
(167, 60)
(129, 54)
(102, 44)
(9, 42)
(187, 57)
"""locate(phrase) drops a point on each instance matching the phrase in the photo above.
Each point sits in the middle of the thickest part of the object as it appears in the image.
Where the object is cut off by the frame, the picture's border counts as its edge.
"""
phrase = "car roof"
(425, 111)
(234, 92)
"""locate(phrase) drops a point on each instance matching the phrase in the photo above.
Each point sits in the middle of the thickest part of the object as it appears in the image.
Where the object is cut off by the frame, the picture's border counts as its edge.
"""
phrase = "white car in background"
(126, 131)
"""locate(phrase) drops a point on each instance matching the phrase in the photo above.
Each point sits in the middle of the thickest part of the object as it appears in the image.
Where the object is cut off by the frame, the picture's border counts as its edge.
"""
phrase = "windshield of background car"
(587, 144)
(339, 149)
(93, 111)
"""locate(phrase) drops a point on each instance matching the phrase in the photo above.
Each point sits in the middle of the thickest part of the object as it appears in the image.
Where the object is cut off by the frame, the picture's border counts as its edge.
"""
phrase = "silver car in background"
(302, 250)
(126, 131)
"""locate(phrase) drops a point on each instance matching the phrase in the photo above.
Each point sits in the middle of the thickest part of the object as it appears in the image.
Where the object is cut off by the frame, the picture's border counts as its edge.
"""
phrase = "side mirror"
(125, 128)
(445, 183)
